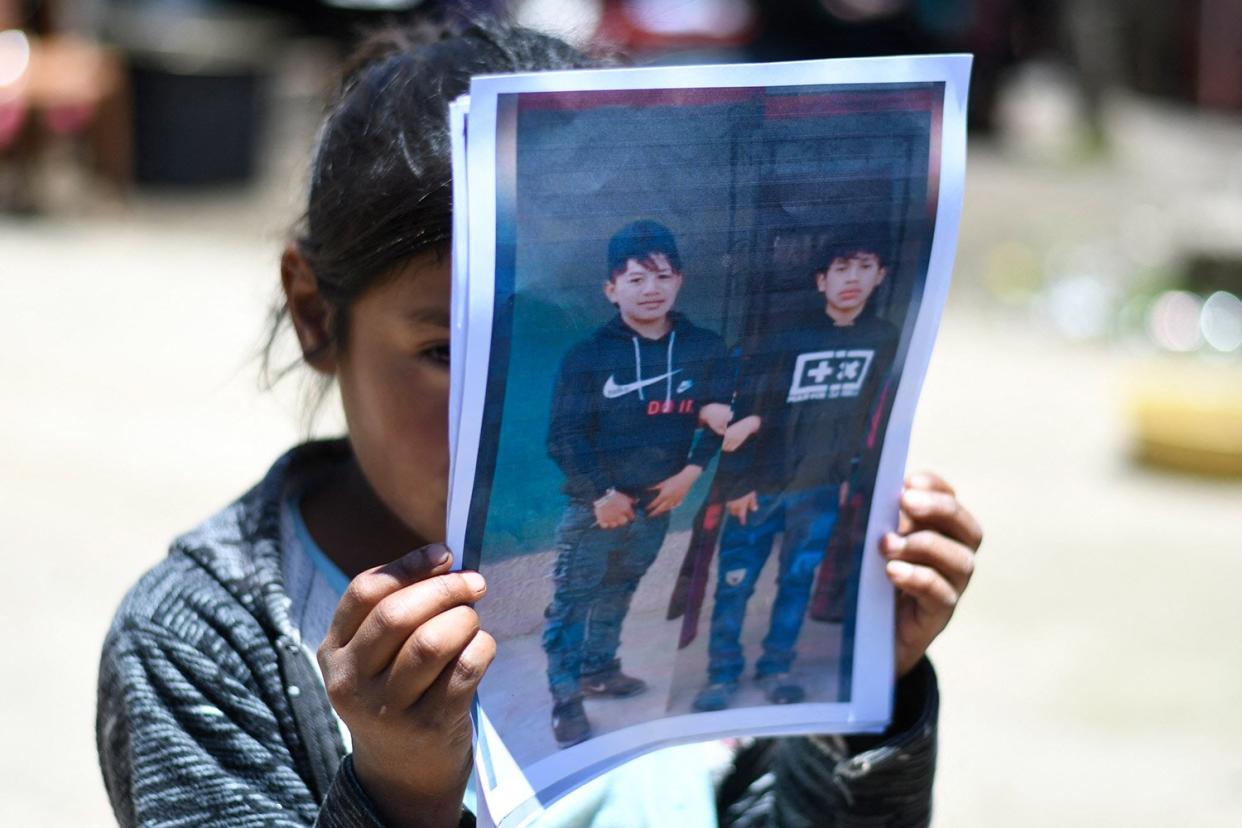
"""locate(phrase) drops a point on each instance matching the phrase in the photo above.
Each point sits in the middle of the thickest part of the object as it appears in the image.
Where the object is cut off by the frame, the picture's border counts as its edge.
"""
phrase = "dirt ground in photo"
(516, 689)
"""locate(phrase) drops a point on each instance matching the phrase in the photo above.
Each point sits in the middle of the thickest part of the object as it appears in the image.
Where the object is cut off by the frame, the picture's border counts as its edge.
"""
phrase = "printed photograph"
(703, 302)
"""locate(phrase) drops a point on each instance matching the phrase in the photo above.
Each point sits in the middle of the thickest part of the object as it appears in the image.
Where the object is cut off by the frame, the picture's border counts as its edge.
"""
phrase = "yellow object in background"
(1187, 415)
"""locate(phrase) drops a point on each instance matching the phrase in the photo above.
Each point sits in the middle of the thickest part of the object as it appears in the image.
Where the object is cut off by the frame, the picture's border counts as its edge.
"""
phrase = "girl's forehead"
(422, 287)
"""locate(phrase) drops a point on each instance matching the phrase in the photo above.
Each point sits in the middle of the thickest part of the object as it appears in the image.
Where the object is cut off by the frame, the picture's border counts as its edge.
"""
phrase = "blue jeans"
(807, 518)
(596, 573)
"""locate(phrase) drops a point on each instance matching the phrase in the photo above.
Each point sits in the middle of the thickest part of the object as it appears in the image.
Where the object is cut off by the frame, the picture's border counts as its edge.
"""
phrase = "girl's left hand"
(930, 560)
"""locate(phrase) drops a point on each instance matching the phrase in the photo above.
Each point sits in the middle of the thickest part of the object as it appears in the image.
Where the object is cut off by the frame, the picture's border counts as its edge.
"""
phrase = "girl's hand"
(716, 416)
(401, 662)
(739, 432)
(930, 560)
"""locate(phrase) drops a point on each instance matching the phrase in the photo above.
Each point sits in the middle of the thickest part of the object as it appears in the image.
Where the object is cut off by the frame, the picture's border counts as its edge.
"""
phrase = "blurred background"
(1085, 396)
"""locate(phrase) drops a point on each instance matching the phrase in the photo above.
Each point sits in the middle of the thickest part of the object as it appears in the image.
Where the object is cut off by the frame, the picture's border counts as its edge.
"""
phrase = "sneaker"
(614, 685)
(569, 723)
(780, 688)
(715, 696)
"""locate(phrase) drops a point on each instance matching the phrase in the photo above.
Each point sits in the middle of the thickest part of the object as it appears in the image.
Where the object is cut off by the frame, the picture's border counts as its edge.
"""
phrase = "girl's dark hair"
(380, 184)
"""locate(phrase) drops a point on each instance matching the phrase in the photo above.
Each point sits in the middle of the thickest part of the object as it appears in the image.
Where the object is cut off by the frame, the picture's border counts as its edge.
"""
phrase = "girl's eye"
(438, 354)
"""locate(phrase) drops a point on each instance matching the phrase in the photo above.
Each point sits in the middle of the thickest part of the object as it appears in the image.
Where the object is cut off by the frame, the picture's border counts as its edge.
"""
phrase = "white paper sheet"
(549, 252)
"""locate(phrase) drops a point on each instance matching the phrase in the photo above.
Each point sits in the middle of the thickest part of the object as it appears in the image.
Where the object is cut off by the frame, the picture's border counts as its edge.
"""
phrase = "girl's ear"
(310, 314)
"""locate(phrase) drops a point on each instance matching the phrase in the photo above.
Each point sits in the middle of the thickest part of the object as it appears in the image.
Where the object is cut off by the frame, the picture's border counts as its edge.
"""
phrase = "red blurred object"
(651, 26)
(69, 119)
(12, 119)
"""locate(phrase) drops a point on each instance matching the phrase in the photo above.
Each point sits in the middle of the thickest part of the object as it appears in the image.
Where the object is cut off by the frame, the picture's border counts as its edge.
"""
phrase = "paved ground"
(1091, 677)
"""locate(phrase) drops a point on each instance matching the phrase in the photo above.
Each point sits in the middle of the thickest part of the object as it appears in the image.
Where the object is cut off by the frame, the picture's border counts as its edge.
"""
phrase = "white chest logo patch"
(826, 375)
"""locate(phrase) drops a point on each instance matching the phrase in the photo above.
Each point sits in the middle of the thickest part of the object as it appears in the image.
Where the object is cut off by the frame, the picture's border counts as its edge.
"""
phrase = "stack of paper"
(692, 310)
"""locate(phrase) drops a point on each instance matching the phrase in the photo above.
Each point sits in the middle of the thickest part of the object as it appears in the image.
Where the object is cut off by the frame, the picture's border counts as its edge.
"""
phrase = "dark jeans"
(807, 518)
(596, 573)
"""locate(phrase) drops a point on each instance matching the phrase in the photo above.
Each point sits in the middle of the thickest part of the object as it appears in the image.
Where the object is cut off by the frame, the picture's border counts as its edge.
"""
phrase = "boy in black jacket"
(627, 405)
(806, 399)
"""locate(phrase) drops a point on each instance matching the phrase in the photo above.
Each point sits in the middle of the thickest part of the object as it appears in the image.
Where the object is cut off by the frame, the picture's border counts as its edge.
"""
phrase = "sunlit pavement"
(1090, 678)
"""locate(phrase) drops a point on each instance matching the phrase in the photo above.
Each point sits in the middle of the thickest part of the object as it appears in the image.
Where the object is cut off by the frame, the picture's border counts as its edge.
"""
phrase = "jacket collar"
(240, 545)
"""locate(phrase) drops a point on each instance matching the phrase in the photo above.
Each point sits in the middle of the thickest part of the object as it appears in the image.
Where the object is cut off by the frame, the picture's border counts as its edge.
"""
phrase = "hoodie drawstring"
(638, 367)
(668, 376)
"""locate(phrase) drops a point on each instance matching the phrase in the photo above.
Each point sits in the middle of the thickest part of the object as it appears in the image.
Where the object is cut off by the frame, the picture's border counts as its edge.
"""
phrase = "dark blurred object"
(1207, 272)
(1189, 51)
(344, 21)
(808, 29)
(197, 128)
(1159, 40)
(199, 75)
(1220, 54)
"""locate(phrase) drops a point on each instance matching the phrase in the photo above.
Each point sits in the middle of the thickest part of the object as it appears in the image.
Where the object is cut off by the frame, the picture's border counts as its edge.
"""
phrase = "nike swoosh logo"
(612, 390)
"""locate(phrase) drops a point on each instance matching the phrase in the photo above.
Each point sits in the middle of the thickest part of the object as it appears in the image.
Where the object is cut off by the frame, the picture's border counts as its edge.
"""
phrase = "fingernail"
(435, 554)
(917, 499)
(893, 543)
(899, 569)
(474, 581)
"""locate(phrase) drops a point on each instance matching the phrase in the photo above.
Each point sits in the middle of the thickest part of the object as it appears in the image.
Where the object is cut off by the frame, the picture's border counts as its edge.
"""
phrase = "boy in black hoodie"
(804, 402)
(627, 405)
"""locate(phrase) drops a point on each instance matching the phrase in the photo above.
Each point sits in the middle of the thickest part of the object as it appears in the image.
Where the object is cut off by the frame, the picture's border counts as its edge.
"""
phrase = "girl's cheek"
(426, 414)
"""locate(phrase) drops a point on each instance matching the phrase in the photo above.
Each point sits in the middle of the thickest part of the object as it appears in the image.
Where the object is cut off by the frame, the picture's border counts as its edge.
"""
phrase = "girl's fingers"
(928, 480)
(941, 511)
(399, 616)
(426, 653)
(372, 586)
(926, 586)
(454, 688)
(954, 561)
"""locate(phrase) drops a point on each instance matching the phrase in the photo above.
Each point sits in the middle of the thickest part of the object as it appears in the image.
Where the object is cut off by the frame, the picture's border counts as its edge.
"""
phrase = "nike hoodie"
(626, 408)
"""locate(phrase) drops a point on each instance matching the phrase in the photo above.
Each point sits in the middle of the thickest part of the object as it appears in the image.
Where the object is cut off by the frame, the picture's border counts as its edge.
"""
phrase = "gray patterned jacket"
(210, 713)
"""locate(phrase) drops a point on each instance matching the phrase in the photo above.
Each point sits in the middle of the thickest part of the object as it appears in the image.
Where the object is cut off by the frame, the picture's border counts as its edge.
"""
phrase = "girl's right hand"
(401, 662)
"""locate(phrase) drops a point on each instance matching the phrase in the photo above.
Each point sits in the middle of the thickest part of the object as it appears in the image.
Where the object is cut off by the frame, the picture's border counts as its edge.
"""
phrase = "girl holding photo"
(306, 657)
